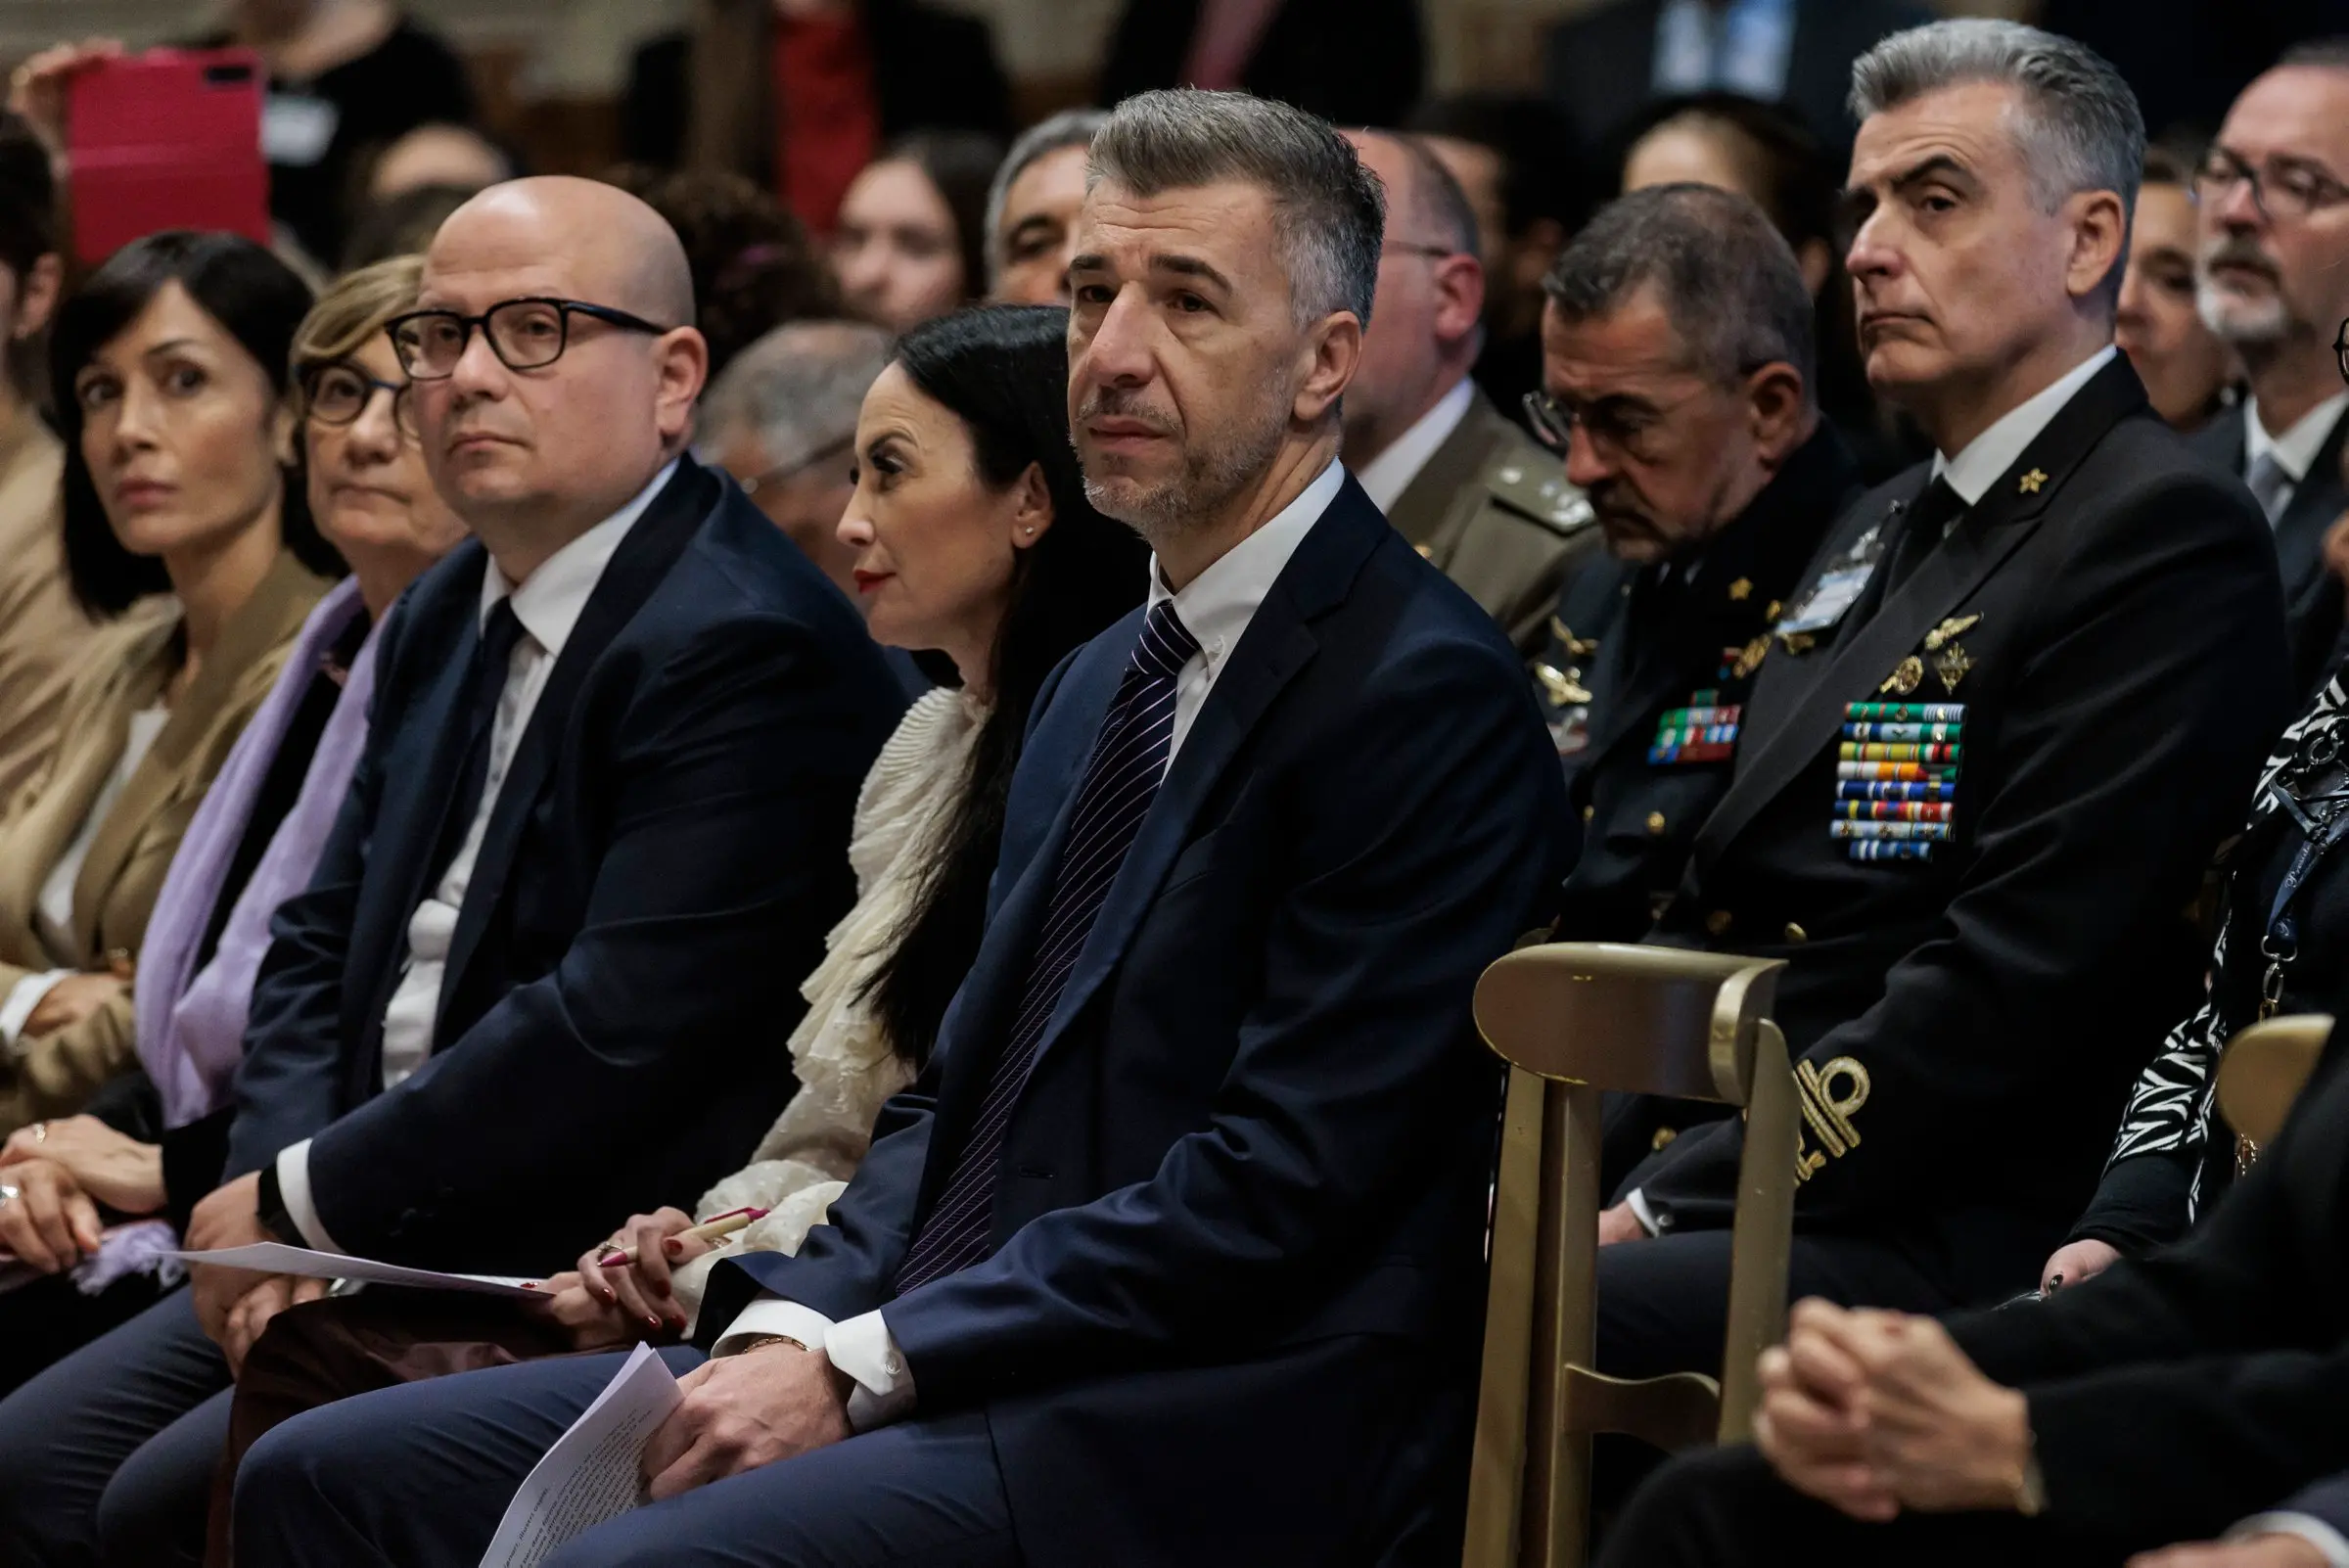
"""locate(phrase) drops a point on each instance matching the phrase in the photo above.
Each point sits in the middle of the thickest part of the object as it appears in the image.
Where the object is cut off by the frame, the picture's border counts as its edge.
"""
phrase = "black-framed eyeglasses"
(338, 392)
(2286, 188)
(528, 333)
(2340, 349)
(783, 474)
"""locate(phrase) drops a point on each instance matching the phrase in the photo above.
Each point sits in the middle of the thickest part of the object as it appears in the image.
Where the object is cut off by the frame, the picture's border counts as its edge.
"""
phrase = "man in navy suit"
(1174, 1256)
(548, 961)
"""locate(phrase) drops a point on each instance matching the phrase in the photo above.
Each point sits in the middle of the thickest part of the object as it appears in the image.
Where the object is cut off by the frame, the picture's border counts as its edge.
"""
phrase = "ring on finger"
(40, 1132)
(10, 1192)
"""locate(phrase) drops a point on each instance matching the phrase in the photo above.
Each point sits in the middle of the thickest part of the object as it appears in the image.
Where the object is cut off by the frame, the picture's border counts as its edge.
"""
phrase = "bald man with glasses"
(600, 828)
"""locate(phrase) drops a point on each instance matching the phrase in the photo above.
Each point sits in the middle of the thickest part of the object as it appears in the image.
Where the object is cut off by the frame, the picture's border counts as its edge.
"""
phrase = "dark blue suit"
(665, 858)
(1234, 1303)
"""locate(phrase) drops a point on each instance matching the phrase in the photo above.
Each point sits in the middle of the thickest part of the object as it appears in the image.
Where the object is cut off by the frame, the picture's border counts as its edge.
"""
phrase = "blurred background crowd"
(822, 155)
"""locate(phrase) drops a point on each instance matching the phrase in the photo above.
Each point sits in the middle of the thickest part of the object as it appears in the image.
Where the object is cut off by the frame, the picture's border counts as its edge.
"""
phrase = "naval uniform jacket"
(1681, 646)
(1967, 1025)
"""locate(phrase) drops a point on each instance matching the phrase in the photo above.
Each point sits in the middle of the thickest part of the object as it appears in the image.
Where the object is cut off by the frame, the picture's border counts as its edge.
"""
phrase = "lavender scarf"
(191, 1025)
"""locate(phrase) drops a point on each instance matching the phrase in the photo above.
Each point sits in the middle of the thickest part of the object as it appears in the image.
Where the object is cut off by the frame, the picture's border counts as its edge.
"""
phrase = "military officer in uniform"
(2008, 717)
(1677, 360)
(1469, 490)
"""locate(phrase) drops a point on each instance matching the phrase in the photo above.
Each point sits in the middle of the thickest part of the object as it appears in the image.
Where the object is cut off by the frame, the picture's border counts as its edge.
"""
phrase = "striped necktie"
(1121, 780)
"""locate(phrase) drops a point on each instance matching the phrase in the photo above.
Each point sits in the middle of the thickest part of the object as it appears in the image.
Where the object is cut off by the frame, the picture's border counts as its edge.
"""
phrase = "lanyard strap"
(2279, 945)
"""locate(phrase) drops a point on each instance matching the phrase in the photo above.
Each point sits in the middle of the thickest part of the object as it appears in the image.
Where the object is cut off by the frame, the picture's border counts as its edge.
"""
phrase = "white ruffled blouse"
(845, 1067)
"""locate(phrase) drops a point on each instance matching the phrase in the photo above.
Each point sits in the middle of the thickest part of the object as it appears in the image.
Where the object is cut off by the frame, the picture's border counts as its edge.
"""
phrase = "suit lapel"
(2317, 500)
(1427, 502)
(644, 558)
(271, 618)
(1758, 545)
(1277, 643)
(1989, 531)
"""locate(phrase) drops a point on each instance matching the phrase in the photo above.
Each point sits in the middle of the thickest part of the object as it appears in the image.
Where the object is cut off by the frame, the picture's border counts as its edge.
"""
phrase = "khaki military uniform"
(1492, 511)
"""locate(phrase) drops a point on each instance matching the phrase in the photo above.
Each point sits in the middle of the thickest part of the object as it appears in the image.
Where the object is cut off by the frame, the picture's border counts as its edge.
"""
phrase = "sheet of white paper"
(276, 1258)
(591, 1473)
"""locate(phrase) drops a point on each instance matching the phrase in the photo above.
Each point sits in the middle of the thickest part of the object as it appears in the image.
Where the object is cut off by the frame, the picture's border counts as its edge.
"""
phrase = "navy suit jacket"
(668, 849)
(1235, 1304)
(2312, 595)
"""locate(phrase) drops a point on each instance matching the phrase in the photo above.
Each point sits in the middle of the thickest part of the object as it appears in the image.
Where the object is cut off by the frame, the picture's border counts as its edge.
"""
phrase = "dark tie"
(1121, 780)
(1925, 526)
(485, 685)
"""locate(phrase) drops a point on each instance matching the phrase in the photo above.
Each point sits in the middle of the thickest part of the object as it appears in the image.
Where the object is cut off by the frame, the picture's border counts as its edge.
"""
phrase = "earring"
(1030, 531)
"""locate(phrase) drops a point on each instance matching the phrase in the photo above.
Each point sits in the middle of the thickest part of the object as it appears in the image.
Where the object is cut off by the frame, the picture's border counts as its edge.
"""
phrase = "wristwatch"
(271, 1209)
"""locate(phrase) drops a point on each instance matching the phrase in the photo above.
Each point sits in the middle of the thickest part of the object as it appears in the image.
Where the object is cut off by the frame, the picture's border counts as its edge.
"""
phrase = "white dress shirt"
(2307, 1526)
(2295, 450)
(1388, 475)
(1216, 607)
(1985, 459)
(548, 605)
(1982, 463)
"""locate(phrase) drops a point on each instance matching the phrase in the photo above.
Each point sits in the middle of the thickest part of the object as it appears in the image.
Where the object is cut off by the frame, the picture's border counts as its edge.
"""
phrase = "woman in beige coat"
(181, 528)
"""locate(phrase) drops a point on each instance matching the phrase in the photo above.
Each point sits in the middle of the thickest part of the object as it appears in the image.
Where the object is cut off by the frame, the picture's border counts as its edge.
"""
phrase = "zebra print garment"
(2170, 1106)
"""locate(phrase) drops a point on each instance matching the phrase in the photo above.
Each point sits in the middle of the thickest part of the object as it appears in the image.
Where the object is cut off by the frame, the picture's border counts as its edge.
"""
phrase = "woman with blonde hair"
(251, 844)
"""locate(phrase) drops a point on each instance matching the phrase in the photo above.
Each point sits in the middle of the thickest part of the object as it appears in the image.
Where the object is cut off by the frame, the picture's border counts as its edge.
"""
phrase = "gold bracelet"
(761, 1341)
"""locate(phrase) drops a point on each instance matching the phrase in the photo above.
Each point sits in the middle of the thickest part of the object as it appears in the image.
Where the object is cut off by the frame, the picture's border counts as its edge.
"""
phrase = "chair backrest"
(2264, 1068)
(1637, 1020)
(1575, 1020)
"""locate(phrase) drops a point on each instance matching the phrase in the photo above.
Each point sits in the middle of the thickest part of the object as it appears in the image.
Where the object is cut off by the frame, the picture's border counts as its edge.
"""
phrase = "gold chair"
(2262, 1073)
(1574, 1019)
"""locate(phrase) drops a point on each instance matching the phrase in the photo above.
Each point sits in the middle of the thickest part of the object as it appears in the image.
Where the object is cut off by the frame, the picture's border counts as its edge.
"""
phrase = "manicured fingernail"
(672, 1246)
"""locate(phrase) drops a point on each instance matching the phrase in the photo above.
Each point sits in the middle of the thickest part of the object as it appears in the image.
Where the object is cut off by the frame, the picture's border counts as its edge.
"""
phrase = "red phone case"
(170, 139)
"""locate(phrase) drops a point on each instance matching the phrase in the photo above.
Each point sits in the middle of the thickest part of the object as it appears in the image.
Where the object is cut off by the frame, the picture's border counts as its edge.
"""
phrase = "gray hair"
(800, 388)
(1726, 277)
(1328, 213)
(1070, 127)
(2082, 128)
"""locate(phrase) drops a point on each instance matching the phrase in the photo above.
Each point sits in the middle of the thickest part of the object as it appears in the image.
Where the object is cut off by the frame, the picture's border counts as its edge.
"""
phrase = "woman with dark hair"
(43, 632)
(186, 529)
(976, 547)
(911, 244)
(154, 1142)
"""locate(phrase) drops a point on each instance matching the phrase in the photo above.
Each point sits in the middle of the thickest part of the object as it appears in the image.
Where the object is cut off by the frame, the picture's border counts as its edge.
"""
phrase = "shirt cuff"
(1636, 1201)
(2307, 1526)
(865, 1350)
(294, 1186)
(23, 998)
(771, 1313)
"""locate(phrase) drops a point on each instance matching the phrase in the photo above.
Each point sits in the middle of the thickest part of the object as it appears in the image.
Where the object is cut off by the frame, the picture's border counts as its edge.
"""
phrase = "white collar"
(1388, 475)
(1217, 603)
(549, 603)
(2296, 449)
(1988, 455)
